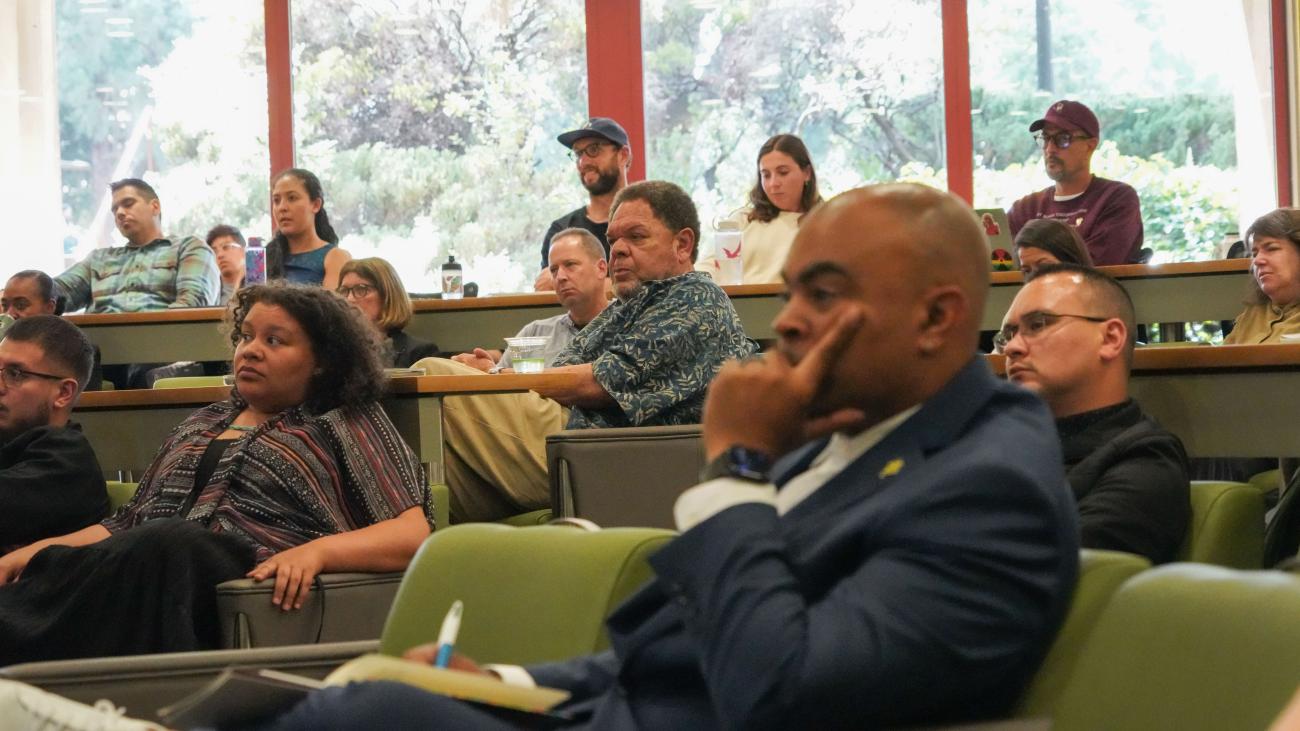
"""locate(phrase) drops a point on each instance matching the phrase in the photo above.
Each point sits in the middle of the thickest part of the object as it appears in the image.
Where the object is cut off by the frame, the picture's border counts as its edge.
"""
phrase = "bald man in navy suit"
(908, 557)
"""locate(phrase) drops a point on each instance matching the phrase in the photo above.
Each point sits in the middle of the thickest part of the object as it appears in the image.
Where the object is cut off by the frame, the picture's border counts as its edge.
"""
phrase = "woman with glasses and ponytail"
(305, 248)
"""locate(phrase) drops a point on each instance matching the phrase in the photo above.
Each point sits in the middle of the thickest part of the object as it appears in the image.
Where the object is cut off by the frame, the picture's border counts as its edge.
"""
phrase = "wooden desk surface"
(401, 386)
(1212, 290)
(127, 427)
(1198, 359)
(1223, 401)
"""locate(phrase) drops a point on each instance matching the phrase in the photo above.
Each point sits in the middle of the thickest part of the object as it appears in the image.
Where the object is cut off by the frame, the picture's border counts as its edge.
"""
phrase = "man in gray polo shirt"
(578, 269)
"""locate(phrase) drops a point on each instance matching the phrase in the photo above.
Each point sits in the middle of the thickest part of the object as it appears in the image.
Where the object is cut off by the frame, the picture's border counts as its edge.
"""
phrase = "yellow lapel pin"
(891, 468)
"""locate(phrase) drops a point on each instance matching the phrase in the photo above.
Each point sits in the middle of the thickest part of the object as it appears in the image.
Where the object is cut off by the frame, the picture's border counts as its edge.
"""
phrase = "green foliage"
(1199, 126)
(102, 84)
(432, 122)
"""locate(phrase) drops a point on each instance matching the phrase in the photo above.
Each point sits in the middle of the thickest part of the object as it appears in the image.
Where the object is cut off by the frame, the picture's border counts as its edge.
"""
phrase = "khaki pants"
(495, 448)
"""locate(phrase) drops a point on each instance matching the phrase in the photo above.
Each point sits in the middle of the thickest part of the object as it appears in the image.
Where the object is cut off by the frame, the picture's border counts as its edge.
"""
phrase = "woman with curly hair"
(298, 473)
(786, 190)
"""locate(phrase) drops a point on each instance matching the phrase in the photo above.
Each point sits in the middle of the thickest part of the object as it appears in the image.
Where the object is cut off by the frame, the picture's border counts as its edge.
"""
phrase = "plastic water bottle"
(727, 245)
(254, 262)
(453, 283)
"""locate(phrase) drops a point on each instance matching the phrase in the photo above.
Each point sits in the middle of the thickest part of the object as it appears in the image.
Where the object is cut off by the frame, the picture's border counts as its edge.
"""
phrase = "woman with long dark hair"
(1045, 241)
(785, 190)
(305, 248)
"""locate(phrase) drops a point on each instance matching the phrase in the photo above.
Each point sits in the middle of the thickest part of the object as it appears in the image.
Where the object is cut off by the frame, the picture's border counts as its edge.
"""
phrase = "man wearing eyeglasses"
(228, 245)
(601, 153)
(50, 481)
(1069, 337)
(1106, 213)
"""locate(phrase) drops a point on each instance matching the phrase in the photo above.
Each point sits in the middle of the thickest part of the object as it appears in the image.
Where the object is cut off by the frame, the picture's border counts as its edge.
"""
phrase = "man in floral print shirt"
(646, 360)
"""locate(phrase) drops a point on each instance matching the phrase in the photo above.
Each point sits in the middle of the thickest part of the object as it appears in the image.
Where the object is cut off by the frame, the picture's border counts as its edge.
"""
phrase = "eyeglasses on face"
(1062, 140)
(360, 291)
(230, 246)
(14, 377)
(1032, 325)
(590, 151)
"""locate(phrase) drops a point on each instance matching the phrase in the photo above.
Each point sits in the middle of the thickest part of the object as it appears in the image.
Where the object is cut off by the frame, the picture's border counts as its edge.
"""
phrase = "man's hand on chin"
(765, 403)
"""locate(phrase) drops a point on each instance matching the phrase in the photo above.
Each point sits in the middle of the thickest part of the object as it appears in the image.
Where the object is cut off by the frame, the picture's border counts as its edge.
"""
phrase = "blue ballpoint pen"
(447, 634)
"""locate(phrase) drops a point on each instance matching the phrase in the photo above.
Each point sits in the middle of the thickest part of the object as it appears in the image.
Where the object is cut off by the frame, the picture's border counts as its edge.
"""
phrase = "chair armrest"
(650, 465)
(145, 683)
(352, 607)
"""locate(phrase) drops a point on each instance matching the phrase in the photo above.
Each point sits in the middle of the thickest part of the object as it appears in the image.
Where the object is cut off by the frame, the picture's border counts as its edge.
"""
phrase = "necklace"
(241, 427)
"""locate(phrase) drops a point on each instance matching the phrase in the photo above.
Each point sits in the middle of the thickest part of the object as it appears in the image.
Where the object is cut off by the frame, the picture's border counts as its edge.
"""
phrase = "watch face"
(749, 464)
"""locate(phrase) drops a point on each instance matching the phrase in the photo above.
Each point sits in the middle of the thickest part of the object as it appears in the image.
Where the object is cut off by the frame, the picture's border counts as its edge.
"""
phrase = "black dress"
(405, 350)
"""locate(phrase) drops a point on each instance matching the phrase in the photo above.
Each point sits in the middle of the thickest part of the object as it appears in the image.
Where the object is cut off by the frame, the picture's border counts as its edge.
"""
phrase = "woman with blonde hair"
(372, 286)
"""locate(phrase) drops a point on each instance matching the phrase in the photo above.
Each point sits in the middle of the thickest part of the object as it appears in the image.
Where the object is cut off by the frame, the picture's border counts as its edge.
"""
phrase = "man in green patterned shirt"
(150, 272)
(646, 360)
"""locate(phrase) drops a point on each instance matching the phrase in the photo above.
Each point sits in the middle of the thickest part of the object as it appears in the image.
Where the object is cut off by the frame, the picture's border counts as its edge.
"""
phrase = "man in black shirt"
(50, 481)
(1069, 337)
(602, 155)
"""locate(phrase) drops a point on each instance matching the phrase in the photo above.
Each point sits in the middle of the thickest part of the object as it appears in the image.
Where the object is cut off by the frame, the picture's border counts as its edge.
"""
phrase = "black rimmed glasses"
(1034, 324)
(1062, 140)
(15, 377)
(590, 151)
(360, 291)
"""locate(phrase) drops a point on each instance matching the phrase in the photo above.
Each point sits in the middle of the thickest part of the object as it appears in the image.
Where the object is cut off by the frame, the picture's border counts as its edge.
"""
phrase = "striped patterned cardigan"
(296, 478)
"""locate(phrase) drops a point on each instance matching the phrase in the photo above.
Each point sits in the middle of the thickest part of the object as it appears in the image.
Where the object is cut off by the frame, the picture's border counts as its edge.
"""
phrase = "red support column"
(1282, 103)
(956, 100)
(615, 86)
(279, 84)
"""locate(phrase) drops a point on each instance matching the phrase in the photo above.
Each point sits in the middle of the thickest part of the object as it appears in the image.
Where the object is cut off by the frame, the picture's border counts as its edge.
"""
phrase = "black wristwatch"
(740, 462)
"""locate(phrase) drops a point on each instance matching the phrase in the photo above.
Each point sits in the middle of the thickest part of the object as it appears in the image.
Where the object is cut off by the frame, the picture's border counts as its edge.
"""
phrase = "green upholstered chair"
(532, 517)
(190, 382)
(357, 604)
(530, 594)
(1188, 647)
(1100, 574)
(1266, 481)
(1227, 525)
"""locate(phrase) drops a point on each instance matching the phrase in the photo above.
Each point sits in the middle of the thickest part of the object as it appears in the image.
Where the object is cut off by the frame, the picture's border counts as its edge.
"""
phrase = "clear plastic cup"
(526, 354)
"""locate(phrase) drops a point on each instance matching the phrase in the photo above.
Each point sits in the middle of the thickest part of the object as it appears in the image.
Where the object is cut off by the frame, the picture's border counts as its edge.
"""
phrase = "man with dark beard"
(1106, 213)
(50, 481)
(600, 150)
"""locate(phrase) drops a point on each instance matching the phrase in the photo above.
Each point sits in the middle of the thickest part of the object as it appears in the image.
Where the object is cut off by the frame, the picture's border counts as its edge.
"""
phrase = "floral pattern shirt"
(656, 352)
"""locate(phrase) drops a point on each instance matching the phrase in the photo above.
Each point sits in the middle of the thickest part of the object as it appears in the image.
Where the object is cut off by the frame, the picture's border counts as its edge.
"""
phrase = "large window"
(1182, 92)
(432, 125)
(860, 82)
(172, 92)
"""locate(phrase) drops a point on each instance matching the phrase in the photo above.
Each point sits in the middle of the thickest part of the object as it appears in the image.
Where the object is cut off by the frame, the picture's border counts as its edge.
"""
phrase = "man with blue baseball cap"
(600, 150)
(1106, 213)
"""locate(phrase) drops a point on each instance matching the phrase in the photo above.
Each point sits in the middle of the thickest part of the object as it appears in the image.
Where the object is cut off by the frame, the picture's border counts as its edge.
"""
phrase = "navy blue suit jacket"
(926, 590)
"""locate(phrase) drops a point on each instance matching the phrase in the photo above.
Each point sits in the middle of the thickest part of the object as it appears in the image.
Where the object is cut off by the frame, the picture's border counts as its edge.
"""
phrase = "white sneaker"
(28, 708)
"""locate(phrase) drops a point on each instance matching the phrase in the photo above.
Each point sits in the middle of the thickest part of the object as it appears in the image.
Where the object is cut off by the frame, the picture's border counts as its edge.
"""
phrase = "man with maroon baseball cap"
(601, 152)
(1106, 213)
